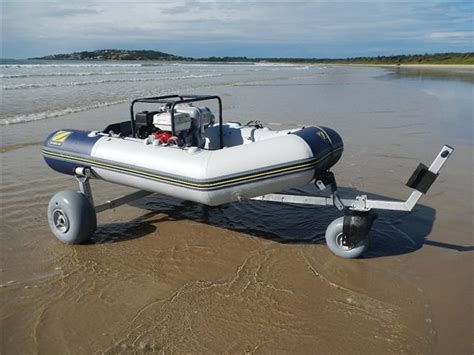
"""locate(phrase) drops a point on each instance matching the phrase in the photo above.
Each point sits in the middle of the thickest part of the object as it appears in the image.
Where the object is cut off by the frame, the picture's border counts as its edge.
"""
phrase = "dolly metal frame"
(361, 203)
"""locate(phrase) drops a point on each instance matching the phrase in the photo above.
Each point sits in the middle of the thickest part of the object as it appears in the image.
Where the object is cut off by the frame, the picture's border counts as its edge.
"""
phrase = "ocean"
(37, 90)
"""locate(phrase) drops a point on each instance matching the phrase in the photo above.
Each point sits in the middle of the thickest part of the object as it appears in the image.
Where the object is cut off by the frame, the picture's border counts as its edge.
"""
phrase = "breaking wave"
(68, 65)
(104, 81)
(56, 113)
(96, 73)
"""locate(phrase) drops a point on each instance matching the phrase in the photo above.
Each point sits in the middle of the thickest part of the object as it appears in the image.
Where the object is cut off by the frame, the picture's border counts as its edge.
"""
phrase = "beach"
(166, 275)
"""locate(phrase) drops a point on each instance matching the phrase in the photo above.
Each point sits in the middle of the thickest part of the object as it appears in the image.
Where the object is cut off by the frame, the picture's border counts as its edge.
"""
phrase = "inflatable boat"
(178, 148)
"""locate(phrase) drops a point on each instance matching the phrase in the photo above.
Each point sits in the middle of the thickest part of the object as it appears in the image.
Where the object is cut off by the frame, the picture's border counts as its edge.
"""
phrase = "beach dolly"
(179, 150)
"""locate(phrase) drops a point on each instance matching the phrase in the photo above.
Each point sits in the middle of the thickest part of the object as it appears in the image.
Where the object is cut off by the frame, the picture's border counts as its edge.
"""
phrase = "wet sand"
(165, 275)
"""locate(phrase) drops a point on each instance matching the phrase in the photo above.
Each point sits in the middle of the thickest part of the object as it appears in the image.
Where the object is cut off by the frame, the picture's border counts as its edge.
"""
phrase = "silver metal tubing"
(122, 200)
(361, 202)
(83, 176)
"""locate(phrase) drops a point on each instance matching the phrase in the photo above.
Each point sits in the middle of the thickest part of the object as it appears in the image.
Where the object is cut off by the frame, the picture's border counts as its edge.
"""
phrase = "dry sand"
(171, 276)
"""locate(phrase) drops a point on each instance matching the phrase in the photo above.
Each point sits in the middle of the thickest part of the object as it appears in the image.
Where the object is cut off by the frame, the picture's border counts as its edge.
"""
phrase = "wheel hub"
(60, 220)
(342, 243)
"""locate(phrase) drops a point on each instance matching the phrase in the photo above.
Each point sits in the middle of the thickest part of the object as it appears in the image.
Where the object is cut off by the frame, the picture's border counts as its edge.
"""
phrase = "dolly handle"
(421, 180)
(439, 161)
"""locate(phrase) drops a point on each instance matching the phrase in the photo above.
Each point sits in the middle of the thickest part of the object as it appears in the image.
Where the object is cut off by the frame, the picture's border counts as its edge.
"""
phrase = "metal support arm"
(361, 202)
(83, 175)
(122, 200)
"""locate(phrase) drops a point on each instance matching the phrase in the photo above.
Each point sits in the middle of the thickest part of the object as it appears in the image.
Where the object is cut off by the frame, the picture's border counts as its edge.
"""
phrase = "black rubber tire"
(71, 217)
(333, 234)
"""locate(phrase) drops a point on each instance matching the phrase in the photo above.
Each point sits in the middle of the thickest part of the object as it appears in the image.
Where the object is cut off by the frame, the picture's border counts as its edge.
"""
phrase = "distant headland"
(113, 54)
(123, 54)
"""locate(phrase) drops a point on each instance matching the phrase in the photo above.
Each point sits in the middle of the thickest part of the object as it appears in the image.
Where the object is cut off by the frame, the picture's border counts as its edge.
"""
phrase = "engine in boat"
(189, 125)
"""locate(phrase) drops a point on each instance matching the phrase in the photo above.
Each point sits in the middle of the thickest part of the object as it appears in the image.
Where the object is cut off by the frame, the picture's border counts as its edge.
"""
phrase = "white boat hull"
(275, 162)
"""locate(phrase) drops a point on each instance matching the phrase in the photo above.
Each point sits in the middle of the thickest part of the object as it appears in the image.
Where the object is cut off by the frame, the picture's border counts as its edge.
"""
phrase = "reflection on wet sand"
(463, 74)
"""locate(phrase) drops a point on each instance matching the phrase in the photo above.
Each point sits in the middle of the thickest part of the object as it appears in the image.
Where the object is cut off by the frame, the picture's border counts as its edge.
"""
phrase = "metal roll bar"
(175, 100)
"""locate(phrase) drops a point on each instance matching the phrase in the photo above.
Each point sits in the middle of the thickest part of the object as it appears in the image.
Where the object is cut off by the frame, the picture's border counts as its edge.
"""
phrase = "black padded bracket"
(421, 179)
(357, 226)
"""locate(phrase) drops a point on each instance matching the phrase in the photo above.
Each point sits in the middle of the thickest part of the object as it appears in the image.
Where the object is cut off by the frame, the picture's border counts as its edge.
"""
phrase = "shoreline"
(460, 68)
(467, 68)
(434, 66)
(404, 66)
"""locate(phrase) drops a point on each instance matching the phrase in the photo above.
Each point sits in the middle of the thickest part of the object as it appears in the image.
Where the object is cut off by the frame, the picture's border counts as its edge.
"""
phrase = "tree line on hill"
(122, 54)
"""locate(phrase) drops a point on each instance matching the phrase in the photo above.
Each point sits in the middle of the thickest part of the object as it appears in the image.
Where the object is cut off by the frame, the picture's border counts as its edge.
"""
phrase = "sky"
(304, 29)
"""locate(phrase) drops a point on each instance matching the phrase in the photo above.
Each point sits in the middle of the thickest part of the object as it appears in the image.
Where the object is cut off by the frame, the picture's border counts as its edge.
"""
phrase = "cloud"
(251, 28)
(65, 12)
(462, 36)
